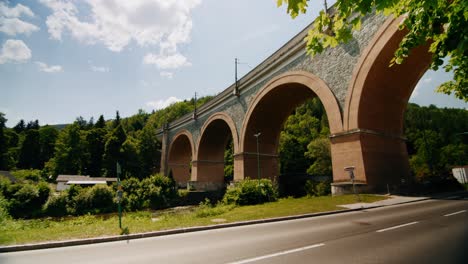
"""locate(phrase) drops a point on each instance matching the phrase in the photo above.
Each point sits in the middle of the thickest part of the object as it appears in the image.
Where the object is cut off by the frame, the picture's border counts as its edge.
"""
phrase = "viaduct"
(363, 97)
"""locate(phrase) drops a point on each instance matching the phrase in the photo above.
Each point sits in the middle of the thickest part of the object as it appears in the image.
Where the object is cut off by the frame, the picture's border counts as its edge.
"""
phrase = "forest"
(436, 141)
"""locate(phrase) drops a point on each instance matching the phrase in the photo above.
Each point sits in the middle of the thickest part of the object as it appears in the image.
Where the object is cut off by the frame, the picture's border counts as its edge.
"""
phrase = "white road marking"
(277, 254)
(453, 197)
(395, 227)
(459, 212)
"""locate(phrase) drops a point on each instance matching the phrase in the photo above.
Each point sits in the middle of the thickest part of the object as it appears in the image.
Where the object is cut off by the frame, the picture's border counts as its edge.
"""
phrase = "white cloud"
(99, 69)
(160, 104)
(163, 23)
(10, 23)
(427, 80)
(14, 51)
(166, 74)
(166, 62)
(16, 11)
(49, 69)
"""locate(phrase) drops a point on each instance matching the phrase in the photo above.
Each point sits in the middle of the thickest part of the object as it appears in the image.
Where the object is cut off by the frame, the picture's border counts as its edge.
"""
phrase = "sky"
(61, 59)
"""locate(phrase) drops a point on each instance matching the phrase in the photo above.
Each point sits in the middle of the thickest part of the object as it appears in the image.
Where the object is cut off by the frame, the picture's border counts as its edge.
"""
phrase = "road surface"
(433, 231)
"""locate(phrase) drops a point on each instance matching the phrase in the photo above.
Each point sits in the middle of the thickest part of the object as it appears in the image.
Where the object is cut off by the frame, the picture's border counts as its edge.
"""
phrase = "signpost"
(119, 194)
(350, 171)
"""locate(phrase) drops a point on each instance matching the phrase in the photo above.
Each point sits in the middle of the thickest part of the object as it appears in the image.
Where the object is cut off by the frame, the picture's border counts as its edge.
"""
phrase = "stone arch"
(267, 113)
(181, 151)
(208, 167)
(373, 116)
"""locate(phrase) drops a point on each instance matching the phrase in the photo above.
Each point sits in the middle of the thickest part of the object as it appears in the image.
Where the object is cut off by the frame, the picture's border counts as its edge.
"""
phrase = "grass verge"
(40, 230)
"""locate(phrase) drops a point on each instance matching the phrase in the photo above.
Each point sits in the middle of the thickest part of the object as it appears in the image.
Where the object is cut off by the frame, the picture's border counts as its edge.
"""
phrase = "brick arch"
(269, 110)
(377, 91)
(180, 155)
(312, 82)
(229, 122)
(373, 116)
(208, 167)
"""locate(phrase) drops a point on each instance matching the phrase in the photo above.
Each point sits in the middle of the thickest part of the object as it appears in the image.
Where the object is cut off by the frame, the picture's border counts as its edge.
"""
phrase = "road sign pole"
(119, 194)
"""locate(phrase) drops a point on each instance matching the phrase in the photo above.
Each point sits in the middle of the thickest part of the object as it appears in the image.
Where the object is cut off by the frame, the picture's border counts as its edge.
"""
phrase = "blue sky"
(63, 59)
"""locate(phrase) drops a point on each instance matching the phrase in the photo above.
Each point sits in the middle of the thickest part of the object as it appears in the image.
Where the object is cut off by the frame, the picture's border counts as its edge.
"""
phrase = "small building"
(461, 174)
(64, 181)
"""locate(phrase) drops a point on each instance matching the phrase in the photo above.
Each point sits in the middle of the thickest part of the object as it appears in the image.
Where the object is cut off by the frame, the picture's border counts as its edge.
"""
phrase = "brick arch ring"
(226, 118)
(314, 83)
(181, 133)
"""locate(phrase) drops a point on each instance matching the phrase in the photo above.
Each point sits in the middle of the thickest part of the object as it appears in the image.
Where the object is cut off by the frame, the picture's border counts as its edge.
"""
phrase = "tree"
(69, 150)
(30, 151)
(101, 123)
(3, 143)
(319, 151)
(47, 137)
(96, 142)
(149, 148)
(20, 127)
(443, 23)
(112, 153)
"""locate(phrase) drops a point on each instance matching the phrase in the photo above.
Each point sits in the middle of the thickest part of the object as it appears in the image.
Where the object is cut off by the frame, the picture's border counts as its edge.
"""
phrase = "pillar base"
(341, 188)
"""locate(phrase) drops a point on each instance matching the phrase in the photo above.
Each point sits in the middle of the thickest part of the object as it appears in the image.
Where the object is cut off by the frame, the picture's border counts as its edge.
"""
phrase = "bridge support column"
(379, 160)
(246, 166)
(180, 172)
(207, 175)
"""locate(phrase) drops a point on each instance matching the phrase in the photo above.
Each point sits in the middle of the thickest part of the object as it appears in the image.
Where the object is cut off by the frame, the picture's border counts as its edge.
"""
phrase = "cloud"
(160, 104)
(166, 62)
(422, 84)
(116, 23)
(10, 23)
(166, 74)
(14, 51)
(99, 69)
(49, 69)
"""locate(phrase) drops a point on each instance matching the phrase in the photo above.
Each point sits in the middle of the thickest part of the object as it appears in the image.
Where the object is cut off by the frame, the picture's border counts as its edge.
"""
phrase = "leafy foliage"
(442, 23)
(314, 188)
(250, 192)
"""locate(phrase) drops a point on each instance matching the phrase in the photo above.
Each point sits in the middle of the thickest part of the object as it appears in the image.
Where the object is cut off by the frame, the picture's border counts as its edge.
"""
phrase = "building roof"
(81, 178)
(86, 182)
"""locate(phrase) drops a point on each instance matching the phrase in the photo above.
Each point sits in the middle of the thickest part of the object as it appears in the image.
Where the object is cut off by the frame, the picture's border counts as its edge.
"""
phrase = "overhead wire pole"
(236, 86)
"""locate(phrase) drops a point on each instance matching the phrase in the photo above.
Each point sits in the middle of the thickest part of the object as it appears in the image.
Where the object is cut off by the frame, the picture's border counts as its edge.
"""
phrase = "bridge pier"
(246, 166)
(379, 160)
(207, 175)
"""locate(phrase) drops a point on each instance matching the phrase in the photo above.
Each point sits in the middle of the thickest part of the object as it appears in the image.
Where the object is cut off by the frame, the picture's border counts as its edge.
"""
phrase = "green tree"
(30, 150)
(47, 137)
(149, 149)
(20, 127)
(112, 150)
(69, 150)
(95, 142)
(319, 151)
(3, 143)
(443, 23)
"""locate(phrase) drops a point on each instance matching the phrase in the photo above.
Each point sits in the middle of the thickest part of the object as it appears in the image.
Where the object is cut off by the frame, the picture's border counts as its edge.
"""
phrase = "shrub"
(4, 216)
(206, 209)
(97, 199)
(250, 192)
(57, 205)
(28, 200)
(314, 188)
(28, 175)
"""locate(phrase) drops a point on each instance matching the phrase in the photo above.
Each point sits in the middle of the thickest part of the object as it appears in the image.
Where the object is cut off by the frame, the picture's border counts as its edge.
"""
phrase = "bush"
(97, 199)
(314, 188)
(250, 192)
(28, 200)
(206, 209)
(4, 216)
(28, 175)
(155, 192)
(57, 205)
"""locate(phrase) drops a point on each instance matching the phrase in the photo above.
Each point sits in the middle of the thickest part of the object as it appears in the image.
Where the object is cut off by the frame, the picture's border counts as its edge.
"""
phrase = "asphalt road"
(434, 231)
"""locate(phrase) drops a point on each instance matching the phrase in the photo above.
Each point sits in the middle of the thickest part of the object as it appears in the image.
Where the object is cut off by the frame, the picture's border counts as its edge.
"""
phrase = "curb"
(87, 241)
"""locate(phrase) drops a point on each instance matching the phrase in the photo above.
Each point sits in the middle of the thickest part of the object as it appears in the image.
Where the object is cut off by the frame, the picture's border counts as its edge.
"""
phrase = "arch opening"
(268, 113)
(217, 135)
(377, 98)
(180, 158)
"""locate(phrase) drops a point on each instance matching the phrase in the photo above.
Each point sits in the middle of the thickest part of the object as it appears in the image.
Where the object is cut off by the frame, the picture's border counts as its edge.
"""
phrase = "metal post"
(119, 194)
(258, 155)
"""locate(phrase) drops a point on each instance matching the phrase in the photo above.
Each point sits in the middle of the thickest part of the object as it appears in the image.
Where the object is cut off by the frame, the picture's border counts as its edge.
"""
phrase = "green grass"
(46, 229)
